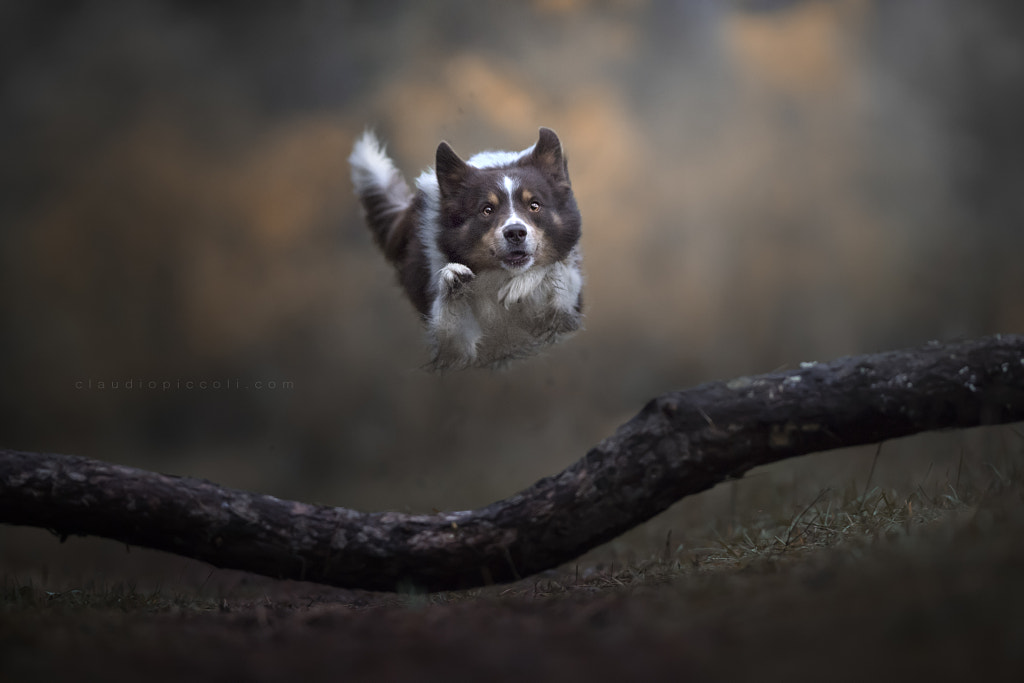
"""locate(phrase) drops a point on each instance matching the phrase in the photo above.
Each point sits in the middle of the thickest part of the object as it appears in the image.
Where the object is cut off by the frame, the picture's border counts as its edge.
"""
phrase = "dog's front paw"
(453, 280)
(557, 323)
(565, 322)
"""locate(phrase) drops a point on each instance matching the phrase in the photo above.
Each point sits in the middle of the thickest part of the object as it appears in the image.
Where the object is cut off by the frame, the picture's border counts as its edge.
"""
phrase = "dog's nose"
(515, 233)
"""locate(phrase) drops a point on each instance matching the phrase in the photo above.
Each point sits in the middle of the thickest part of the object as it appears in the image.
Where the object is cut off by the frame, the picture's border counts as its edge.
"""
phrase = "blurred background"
(762, 183)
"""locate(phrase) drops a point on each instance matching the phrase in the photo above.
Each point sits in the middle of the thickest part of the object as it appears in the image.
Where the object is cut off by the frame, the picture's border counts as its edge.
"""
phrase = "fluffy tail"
(381, 190)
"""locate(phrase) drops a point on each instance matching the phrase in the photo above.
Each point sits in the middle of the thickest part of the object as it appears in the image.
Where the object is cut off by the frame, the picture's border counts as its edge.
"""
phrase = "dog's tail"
(381, 190)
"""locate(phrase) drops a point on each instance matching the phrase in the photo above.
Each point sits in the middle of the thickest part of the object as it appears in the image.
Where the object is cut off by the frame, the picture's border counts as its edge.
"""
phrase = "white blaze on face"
(511, 184)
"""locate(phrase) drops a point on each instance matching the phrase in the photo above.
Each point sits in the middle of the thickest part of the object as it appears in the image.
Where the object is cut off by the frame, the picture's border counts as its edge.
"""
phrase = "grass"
(125, 597)
(854, 582)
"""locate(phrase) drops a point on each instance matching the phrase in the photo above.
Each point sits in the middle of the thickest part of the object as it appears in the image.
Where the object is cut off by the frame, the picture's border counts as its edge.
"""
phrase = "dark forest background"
(762, 183)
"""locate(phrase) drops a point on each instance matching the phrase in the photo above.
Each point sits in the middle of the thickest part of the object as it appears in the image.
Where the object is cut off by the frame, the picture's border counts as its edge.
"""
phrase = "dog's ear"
(450, 168)
(547, 155)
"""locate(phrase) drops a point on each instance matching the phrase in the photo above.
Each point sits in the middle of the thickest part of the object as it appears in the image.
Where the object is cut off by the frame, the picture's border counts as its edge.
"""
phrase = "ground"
(879, 586)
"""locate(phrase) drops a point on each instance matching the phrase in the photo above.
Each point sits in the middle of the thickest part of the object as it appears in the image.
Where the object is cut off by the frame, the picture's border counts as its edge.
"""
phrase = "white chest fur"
(495, 316)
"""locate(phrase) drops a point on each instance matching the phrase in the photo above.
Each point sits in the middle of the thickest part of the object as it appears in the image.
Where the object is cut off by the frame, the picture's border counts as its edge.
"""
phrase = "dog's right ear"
(450, 168)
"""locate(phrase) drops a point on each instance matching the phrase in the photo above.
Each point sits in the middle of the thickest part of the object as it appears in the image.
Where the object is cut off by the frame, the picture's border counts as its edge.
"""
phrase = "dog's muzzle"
(517, 252)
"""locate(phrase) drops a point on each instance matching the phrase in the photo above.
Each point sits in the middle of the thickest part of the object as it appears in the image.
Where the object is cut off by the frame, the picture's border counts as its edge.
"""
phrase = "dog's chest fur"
(517, 315)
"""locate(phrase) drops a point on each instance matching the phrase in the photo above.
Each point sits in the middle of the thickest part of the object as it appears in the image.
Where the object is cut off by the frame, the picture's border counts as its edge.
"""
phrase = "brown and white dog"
(487, 249)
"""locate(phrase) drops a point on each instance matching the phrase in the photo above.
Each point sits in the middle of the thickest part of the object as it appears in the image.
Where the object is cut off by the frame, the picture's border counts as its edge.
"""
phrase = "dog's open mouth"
(517, 258)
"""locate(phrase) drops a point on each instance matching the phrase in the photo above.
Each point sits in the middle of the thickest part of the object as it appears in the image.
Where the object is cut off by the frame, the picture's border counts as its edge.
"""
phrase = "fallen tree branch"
(679, 444)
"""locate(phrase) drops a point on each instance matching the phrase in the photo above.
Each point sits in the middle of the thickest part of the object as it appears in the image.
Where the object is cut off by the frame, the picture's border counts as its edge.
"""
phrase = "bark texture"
(679, 444)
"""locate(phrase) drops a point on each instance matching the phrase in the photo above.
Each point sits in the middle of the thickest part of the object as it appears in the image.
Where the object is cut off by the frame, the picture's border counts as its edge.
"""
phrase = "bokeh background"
(762, 183)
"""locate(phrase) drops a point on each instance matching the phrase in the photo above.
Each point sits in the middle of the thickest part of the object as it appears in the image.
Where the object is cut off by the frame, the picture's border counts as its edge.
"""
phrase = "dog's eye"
(535, 206)
(487, 210)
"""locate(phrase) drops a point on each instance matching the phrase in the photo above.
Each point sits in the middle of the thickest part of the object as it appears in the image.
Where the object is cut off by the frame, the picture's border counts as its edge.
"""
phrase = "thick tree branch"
(679, 444)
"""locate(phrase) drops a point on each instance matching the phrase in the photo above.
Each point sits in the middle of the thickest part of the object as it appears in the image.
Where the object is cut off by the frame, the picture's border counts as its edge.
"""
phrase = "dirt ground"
(930, 593)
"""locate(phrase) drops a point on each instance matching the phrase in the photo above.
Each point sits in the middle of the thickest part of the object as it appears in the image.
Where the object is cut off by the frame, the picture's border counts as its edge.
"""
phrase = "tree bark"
(679, 444)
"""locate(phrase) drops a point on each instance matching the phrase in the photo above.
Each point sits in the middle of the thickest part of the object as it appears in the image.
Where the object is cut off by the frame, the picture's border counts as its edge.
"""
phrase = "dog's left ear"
(547, 155)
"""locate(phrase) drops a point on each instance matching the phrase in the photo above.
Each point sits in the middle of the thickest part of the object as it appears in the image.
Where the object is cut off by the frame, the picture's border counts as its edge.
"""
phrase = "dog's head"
(515, 214)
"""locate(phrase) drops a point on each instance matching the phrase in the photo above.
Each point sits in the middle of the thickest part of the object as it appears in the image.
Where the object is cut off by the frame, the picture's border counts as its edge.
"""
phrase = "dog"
(487, 250)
